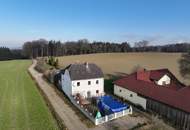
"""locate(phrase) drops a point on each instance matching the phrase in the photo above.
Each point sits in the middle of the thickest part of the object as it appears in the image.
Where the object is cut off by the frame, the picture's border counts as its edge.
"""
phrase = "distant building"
(158, 91)
(86, 79)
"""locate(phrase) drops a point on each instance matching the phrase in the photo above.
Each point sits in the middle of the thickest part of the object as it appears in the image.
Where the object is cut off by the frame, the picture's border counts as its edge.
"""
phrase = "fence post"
(96, 122)
(130, 110)
(115, 116)
(106, 118)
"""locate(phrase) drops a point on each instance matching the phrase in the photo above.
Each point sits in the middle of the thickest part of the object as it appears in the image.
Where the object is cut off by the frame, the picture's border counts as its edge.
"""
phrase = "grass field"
(116, 63)
(21, 105)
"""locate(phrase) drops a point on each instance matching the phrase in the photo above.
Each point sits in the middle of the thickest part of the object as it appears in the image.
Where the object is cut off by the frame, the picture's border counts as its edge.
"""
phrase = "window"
(131, 95)
(97, 91)
(120, 90)
(78, 83)
(97, 81)
(89, 82)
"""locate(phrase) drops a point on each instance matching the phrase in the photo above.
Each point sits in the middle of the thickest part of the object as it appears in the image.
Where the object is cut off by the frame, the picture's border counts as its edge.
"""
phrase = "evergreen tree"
(185, 65)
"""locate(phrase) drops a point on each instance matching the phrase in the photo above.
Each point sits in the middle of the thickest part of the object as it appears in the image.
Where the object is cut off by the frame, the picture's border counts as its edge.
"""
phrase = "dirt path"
(69, 117)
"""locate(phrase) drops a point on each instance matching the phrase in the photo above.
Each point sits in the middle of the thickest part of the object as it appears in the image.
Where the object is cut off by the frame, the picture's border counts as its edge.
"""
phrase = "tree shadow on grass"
(109, 79)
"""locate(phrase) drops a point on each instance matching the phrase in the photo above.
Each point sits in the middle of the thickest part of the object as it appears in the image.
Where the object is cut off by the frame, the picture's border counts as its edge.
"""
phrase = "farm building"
(86, 79)
(157, 91)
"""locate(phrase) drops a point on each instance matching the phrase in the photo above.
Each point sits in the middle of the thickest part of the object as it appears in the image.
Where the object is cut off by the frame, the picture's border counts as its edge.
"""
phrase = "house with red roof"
(158, 91)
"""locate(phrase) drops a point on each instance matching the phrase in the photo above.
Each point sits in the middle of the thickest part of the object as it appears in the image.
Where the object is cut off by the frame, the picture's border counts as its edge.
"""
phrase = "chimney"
(143, 74)
(141, 70)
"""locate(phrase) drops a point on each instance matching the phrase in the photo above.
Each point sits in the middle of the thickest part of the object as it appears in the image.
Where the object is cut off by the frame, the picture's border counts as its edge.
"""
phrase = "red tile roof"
(156, 75)
(176, 94)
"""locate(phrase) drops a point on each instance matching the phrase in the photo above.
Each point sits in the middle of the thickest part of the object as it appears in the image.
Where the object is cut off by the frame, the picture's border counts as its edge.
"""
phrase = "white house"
(86, 79)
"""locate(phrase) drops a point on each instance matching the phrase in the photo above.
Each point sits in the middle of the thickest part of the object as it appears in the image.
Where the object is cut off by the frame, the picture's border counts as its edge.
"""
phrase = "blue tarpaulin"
(111, 104)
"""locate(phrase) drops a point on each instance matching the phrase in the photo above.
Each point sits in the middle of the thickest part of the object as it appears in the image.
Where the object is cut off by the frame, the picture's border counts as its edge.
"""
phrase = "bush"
(42, 66)
(53, 61)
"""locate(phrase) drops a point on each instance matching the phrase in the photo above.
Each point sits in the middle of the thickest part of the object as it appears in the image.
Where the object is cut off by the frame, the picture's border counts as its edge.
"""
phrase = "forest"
(41, 48)
(10, 54)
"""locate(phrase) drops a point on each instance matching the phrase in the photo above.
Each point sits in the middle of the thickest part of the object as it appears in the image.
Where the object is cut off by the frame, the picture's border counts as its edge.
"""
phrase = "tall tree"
(5, 53)
(185, 65)
(27, 49)
(125, 47)
(141, 45)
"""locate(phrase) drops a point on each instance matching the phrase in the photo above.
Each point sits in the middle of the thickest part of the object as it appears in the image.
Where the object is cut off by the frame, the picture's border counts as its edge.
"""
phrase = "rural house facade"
(86, 79)
(157, 91)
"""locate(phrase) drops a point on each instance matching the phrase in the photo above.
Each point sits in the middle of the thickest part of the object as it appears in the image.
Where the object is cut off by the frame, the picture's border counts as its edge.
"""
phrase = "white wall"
(165, 79)
(84, 87)
(66, 83)
(125, 93)
(70, 87)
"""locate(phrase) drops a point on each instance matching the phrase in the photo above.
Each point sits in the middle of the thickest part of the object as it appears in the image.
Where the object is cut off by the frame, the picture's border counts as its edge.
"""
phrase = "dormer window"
(164, 80)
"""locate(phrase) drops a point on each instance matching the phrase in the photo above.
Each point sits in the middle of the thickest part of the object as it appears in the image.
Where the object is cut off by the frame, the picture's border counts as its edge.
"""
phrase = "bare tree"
(143, 43)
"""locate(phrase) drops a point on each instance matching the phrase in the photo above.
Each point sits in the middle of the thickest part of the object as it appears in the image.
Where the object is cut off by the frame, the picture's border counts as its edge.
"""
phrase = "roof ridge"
(160, 69)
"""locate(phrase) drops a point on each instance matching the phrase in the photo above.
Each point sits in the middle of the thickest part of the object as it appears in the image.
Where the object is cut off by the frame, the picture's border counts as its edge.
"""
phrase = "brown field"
(114, 63)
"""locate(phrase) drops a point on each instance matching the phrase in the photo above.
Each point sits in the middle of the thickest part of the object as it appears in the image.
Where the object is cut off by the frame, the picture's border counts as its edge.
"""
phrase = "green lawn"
(21, 105)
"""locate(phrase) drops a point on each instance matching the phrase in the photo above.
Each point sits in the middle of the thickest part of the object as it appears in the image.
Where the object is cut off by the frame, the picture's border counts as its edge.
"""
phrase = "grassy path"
(21, 105)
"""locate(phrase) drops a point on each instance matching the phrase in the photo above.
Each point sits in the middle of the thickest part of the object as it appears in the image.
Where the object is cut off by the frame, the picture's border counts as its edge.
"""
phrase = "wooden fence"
(176, 117)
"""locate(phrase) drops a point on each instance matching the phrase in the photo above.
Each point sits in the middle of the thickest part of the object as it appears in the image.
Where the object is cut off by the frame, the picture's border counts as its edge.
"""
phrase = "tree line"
(8, 54)
(41, 48)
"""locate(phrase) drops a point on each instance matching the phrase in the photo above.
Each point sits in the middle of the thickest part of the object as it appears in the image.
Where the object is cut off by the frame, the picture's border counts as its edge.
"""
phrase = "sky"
(158, 21)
